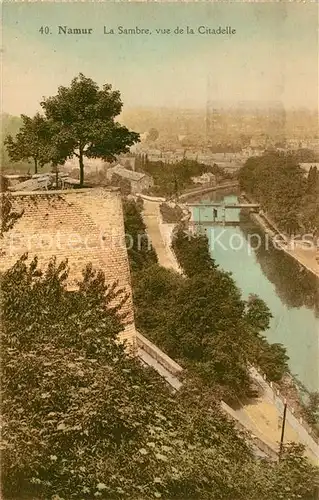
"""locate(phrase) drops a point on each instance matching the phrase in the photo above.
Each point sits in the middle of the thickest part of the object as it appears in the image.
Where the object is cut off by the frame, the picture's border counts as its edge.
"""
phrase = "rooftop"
(127, 174)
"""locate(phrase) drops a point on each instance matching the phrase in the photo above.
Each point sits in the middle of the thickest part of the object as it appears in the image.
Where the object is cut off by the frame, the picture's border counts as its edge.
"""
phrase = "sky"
(273, 57)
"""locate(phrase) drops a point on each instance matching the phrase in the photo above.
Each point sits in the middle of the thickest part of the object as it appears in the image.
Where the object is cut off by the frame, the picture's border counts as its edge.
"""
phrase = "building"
(91, 165)
(307, 166)
(206, 178)
(127, 161)
(139, 181)
(82, 225)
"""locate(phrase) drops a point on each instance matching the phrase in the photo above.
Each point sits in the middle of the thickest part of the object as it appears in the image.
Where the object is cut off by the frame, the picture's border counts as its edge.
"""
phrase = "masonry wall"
(83, 226)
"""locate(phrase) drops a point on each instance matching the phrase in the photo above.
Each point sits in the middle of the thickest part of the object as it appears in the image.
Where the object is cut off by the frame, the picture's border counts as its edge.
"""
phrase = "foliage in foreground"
(8, 214)
(83, 420)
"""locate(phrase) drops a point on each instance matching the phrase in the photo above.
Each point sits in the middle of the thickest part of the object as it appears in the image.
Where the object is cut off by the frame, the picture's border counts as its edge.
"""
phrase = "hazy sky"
(272, 57)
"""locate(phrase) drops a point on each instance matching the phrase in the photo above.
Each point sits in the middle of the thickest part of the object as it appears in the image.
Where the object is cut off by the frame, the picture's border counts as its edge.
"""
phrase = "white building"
(206, 178)
(307, 166)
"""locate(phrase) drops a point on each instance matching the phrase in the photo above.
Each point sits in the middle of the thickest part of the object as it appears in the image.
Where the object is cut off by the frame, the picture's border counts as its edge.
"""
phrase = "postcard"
(159, 250)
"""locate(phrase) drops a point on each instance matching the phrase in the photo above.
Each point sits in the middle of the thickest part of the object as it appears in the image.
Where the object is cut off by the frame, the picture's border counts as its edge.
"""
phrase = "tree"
(257, 313)
(192, 252)
(311, 410)
(31, 142)
(122, 183)
(75, 406)
(140, 252)
(8, 215)
(278, 183)
(84, 120)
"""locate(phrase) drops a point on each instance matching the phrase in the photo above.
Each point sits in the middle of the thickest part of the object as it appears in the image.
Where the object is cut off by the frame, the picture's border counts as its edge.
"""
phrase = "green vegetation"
(171, 214)
(140, 252)
(79, 121)
(200, 319)
(311, 410)
(83, 118)
(172, 178)
(8, 215)
(82, 419)
(192, 252)
(32, 142)
(290, 197)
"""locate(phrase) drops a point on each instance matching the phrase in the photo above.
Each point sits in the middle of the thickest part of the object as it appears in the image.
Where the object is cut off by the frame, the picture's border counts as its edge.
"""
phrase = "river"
(291, 292)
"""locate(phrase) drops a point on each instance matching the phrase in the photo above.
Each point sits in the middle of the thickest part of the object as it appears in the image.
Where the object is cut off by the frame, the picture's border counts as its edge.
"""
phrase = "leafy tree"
(311, 410)
(171, 214)
(123, 184)
(8, 216)
(140, 251)
(271, 358)
(154, 290)
(258, 314)
(279, 184)
(84, 121)
(31, 142)
(192, 252)
(75, 406)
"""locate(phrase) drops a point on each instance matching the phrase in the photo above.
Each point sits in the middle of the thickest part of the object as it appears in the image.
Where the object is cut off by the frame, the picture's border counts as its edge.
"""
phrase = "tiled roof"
(126, 174)
(34, 184)
(83, 226)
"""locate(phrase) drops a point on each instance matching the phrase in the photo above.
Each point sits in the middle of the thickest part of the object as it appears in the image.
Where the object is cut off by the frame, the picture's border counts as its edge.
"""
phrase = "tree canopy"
(8, 215)
(140, 252)
(83, 117)
(83, 419)
(289, 196)
(32, 142)
(201, 320)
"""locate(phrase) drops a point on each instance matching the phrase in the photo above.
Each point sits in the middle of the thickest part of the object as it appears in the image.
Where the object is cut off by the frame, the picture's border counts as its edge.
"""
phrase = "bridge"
(253, 206)
(218, 212)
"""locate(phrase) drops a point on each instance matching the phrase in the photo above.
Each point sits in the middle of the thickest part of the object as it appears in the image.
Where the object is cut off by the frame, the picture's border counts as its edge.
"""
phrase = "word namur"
(66, 30)
(120, 30)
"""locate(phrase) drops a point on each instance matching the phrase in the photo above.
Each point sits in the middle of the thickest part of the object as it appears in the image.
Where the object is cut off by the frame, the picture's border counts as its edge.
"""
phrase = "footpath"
(306, 256)
(152, 220)
(261, 417)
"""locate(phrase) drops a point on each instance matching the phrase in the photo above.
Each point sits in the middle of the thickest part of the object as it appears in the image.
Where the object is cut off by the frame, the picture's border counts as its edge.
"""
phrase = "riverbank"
(306, 257)
(206, 189)
(262, 417)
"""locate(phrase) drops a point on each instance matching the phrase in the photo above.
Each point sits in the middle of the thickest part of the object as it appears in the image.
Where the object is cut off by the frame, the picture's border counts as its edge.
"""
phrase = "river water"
(291, 292)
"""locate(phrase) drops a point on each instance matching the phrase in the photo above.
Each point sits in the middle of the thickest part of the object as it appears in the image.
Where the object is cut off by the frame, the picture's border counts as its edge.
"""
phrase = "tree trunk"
(81, 167)
(35, 165)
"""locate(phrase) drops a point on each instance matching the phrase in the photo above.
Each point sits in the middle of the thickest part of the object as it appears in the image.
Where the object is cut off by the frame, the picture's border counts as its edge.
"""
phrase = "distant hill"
(10, 125)
(220, 121)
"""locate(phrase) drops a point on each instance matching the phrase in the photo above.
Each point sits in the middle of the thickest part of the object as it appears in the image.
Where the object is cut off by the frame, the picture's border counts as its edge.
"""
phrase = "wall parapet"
(163, 359)
(150, 198)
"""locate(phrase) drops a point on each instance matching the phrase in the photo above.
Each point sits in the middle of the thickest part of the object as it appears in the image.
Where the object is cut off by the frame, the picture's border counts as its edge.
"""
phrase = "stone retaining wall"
(83, 226)
(169, 364)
